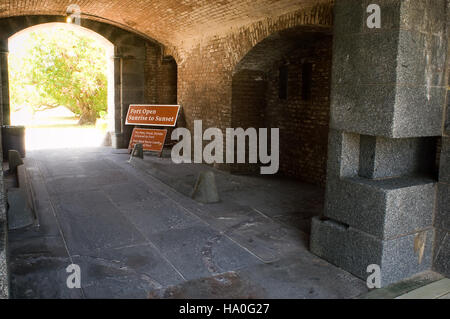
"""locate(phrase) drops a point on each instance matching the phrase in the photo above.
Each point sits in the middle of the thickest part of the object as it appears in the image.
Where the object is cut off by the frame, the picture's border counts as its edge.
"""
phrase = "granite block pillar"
(442, 222)
(387, 101)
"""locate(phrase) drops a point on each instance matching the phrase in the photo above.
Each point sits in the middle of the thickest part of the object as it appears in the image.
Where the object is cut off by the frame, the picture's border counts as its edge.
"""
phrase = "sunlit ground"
(57, 128)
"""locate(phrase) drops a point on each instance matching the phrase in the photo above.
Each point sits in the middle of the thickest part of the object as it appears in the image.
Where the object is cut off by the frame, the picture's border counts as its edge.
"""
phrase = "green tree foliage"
(60, 68)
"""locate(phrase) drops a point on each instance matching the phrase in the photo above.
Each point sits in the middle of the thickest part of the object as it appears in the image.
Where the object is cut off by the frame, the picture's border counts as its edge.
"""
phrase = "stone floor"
(135, 233)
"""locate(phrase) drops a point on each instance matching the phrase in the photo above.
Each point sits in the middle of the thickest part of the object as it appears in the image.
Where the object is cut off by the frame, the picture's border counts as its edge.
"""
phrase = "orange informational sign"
(153, 115)
(152, 140)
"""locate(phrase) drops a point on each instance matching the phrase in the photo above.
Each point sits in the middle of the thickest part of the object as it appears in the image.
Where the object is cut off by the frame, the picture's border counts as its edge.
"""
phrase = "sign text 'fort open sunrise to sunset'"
(153, 115)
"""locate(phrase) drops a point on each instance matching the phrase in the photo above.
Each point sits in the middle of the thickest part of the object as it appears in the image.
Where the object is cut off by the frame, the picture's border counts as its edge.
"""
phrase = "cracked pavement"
(134, 233)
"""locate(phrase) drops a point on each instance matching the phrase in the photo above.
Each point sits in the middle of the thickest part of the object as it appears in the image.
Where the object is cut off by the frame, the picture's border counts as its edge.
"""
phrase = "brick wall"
(152, 61)
(170, 22)
(249, 90)
(160, 76)
(206, 65)
(249, 99)
(207, 41)
(303, 124)
(167, 81)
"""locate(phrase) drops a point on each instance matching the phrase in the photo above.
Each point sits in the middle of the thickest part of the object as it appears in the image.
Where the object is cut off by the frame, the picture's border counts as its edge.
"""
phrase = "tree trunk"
(88, 118)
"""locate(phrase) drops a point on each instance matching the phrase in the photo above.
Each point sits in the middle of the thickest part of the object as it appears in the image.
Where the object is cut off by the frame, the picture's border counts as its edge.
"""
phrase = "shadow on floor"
(134, 233)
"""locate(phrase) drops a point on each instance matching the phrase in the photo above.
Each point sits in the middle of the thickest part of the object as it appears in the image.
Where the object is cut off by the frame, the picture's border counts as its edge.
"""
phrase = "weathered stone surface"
(20, 214)
(354, 251)
(25, 185)
(403, 287)
(14, 160)
(387, 110)
(343, 154)
(421, 16)
(351, 16)
(138, 151)
(205, 189)
(363, 109)
(389, 88)
(119, 272)
(389, 82)
(90, 221)
(4, 271)
(444, 170)
(365, 66)
(447, 120)
(383, 208)
(382, 157)
(200, 251)
(442, 252)
(270, 281)
(443, 212)
(418, 111)
(421, 59)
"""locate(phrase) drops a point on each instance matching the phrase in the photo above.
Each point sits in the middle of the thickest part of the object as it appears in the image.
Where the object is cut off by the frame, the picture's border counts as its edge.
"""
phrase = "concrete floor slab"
(268, 240)
(295, 277)
(127, 272)
(303, 277)
(90, 221)
(159, 215)
(200, 251)
(135, 234)
(37, 246)
(41, 277)
(129, 193)
(225, 216)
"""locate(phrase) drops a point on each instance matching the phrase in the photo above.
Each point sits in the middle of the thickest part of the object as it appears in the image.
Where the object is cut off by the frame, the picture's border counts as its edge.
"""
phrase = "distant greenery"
(60, 68)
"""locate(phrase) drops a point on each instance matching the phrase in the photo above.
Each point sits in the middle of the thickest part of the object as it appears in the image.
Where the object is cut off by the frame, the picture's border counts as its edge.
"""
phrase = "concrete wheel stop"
(205, 189)
(138, 151)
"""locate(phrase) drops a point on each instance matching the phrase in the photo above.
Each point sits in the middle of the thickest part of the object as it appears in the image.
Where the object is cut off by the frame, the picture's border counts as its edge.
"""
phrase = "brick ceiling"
(167, 21)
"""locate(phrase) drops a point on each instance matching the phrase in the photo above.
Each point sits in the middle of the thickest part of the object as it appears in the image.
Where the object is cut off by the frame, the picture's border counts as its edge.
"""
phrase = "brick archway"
(100, 40)
(130, 62)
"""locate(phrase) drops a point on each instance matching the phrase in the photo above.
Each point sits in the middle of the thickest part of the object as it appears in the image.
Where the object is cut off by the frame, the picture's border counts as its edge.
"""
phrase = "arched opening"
(61, 80)
(284, 82)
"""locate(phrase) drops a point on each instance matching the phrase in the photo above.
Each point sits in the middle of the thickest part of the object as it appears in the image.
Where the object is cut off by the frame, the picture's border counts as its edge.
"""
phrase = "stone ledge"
(354, 251)
(386, 209)
(442, 252)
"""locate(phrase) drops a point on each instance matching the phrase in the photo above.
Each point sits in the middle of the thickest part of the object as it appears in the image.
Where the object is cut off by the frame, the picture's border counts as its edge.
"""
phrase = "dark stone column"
(388, 93)
(116, 134)
(4, 84)
(130, 86)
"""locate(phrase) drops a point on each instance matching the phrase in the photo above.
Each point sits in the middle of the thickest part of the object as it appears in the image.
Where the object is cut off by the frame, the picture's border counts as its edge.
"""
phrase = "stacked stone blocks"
(388, 93)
